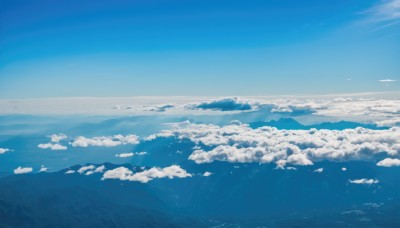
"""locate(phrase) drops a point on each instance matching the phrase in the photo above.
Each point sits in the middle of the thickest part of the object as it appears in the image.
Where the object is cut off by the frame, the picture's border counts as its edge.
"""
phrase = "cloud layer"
(242, 144)
(225, 104)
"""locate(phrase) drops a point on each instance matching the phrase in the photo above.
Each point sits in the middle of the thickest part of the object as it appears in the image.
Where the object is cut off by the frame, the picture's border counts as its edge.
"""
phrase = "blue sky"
(217, 48)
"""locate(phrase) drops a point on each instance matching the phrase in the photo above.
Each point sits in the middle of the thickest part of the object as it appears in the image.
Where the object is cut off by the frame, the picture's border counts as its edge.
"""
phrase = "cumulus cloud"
(123, 173)
(4, 150)
(364, 181)
(319, 170)
(85, 168)
(107, 141)
(389, 162)
(242, 144)
(124, 155)
(91, 171)
(344, 169)
(225, 104)
(52, 146)
(207, 174)
(70, 171)
(22, 170)
(57, 137)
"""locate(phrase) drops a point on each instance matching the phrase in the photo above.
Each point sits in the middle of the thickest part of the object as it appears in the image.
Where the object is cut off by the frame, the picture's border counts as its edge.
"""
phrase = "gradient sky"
(71, 48)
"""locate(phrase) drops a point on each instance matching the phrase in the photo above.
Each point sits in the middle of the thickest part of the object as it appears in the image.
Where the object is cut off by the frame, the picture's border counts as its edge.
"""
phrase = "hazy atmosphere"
(199, 113)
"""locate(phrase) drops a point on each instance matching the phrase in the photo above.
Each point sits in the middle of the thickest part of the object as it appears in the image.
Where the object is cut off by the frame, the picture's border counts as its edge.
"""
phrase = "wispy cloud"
(387, 10)
(364, 181)
(387, 80)
(4, 150)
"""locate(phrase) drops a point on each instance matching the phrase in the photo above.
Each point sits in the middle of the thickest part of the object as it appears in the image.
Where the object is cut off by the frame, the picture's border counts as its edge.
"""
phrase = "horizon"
(199, 113)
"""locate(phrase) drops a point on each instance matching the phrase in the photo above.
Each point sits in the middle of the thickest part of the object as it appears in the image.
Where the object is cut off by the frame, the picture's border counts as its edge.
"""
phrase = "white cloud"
(207, 174)
(319, 170)
(364, 181)
(141, 153)
(242, 144)
(52, 146)
(43, 169)
(387, 80)
(389, 162)
(366, 107)
(100, 169)
(22, 170)
(107, 141)
(344, 169)
(124, 155)
(91, 171)
(86, 168)
(70, 172)
(57, 137)
(299, 159)
(145, 176)
(388, 10)
(4, 150)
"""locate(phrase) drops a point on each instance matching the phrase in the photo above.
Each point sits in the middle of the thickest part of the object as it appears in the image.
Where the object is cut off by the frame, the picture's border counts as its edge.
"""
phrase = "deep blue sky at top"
(207, 47)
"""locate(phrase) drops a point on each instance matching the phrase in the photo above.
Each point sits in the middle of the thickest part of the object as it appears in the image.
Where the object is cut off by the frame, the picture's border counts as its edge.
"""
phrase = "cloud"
(4, 150)
(364, 181)
(85, 168)
(225, 104)
(384, 11)
(43, 169)
(22, 170)
(320, 170)
(389, 122)
(99, 169)
(389, 162)
(57, 137)
(344, 169)
(70, 172)
(387, 80)
(369, 108)
(207, 174)
(141, 153)
(107, 141)
(123, 173)
(161, 108)
(52, 146)
(242, 144)
(124, 155)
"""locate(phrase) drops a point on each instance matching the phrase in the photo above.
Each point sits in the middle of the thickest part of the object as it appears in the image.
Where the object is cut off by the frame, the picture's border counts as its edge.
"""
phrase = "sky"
(72, 48)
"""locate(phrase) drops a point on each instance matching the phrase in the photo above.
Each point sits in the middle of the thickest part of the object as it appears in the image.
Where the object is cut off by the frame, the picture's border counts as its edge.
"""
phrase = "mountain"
(291, 124)
(245, 195)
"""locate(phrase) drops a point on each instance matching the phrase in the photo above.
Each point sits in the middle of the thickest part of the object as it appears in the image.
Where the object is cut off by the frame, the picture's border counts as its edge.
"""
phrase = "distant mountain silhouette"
(291, 124)
(242, 194)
